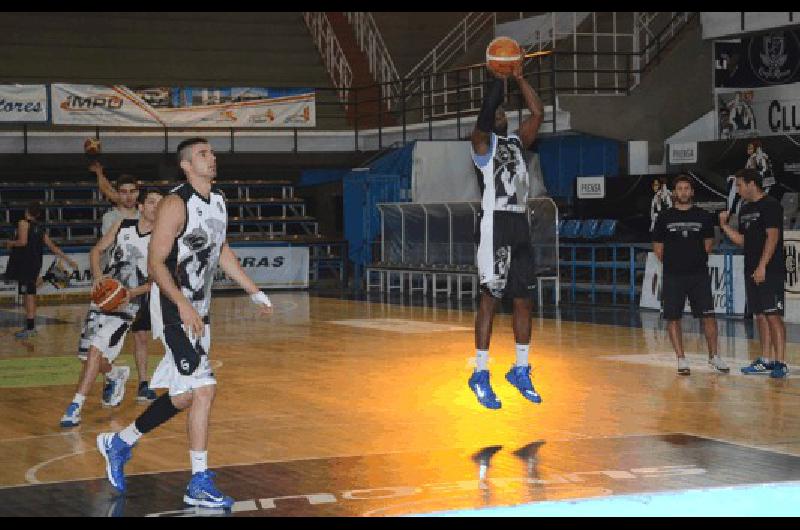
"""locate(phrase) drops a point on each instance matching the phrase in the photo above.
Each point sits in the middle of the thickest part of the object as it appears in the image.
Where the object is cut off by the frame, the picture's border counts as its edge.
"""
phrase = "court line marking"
(30, 474)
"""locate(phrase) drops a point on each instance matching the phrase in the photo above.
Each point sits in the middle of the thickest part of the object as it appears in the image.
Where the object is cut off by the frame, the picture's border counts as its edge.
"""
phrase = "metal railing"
(447, 96)
(330, 50)
(381, 65)
(652, 43)
(457, 40)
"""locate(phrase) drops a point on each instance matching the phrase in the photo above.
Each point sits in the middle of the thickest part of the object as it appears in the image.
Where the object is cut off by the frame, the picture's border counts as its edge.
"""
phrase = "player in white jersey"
(505, 260)
(128, 241)
(187, 245)
(124, 195)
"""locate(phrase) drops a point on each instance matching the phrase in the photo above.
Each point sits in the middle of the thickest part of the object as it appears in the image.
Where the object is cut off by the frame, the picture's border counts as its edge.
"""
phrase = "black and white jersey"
(127, 259)
(503, 175)
(194, 256)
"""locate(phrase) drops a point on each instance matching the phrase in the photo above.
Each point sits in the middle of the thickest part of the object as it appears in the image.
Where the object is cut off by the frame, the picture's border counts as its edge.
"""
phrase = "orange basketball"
(502, 55)
(109, 295)
(91, 146)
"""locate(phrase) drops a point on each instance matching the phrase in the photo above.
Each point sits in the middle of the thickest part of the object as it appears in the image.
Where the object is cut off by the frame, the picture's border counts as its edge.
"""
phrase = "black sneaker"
(145, 393)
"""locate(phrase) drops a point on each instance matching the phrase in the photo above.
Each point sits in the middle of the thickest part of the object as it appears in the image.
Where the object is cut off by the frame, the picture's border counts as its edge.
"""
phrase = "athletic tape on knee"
(491, 100)
(160, 411)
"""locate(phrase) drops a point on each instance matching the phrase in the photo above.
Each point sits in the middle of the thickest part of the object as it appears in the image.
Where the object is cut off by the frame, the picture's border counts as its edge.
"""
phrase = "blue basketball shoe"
(116, 452)
(479, 383)
(520, 377)
(201, 491)
(779, 370)
(72, 417)
(759, 366)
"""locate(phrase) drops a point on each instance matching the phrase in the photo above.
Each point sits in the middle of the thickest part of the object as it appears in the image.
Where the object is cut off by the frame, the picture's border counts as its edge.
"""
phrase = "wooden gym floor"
(337, 406)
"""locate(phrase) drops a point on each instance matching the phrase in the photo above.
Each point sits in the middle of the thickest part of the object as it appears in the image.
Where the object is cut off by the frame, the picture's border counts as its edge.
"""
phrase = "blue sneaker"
(520, 377)
(72, 417)
(479, 383)
(779, 370)
(108, 391)
(201, 491)
(116, 452)
(759, 366)
(25, 334)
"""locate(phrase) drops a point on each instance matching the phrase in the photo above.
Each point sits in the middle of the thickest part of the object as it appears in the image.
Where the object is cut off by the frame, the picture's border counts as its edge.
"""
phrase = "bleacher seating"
(258, 211)
(572, 229)
(589, 229)
(607, 229)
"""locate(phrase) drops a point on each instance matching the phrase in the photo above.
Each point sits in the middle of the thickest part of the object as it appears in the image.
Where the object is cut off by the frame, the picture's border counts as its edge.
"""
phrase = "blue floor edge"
(778, 499)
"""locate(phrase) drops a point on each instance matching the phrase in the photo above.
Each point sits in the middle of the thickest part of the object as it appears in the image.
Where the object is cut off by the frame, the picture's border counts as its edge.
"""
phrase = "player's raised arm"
(530, 126)
(492, 99)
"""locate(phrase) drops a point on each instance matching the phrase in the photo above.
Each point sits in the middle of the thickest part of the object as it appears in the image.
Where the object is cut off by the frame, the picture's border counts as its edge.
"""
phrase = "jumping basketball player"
(504, 250)
(187, 244)
(127, 241)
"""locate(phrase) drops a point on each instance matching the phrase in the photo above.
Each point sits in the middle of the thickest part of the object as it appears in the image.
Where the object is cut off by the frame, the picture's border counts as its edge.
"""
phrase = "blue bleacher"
(571, 229)
(607, 228)
(589, 229)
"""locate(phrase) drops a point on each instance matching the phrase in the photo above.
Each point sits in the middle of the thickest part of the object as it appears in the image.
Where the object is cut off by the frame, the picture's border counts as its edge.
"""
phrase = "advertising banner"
(651, 286)
(270, 267)
(764, 111)
(23, 103)
(119, 105)
(791, 251)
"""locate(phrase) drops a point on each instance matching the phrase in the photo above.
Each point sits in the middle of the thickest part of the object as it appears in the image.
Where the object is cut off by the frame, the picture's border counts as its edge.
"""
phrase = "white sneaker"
(683, 366)
(117, 378)
(718, 364)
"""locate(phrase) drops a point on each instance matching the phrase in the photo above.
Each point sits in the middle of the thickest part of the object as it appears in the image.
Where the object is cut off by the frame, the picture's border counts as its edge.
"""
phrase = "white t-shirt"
(112, 216)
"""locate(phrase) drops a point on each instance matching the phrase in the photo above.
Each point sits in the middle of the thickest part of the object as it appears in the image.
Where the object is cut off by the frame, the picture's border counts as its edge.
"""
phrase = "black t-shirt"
(683, 233)
(25, 263)
(754, 219)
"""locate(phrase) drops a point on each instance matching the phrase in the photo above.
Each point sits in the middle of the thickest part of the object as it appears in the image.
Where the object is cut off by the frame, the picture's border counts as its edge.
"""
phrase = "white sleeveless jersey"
(503, 175)
(194, 256)
(127, 259)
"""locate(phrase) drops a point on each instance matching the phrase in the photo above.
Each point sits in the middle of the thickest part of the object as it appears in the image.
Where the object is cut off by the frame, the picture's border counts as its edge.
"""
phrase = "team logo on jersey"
(199, 212)
(185, 365)
(126, 237)
(196, 239)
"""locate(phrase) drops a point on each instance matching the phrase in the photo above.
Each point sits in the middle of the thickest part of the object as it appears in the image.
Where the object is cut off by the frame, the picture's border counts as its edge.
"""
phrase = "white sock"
(481, 360)
(79, 399)
(522, 354)
(130, 434)
(199, 461)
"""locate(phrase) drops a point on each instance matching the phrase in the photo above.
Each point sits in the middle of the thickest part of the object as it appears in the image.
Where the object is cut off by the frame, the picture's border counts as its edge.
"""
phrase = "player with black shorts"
(682, 238)
(187, 245)
(761, 234)
(126, 243)
(25, 263)
(505, 261)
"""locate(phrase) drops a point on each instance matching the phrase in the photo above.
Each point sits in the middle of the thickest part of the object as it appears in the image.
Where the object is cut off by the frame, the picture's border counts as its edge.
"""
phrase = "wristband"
(260, 298)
